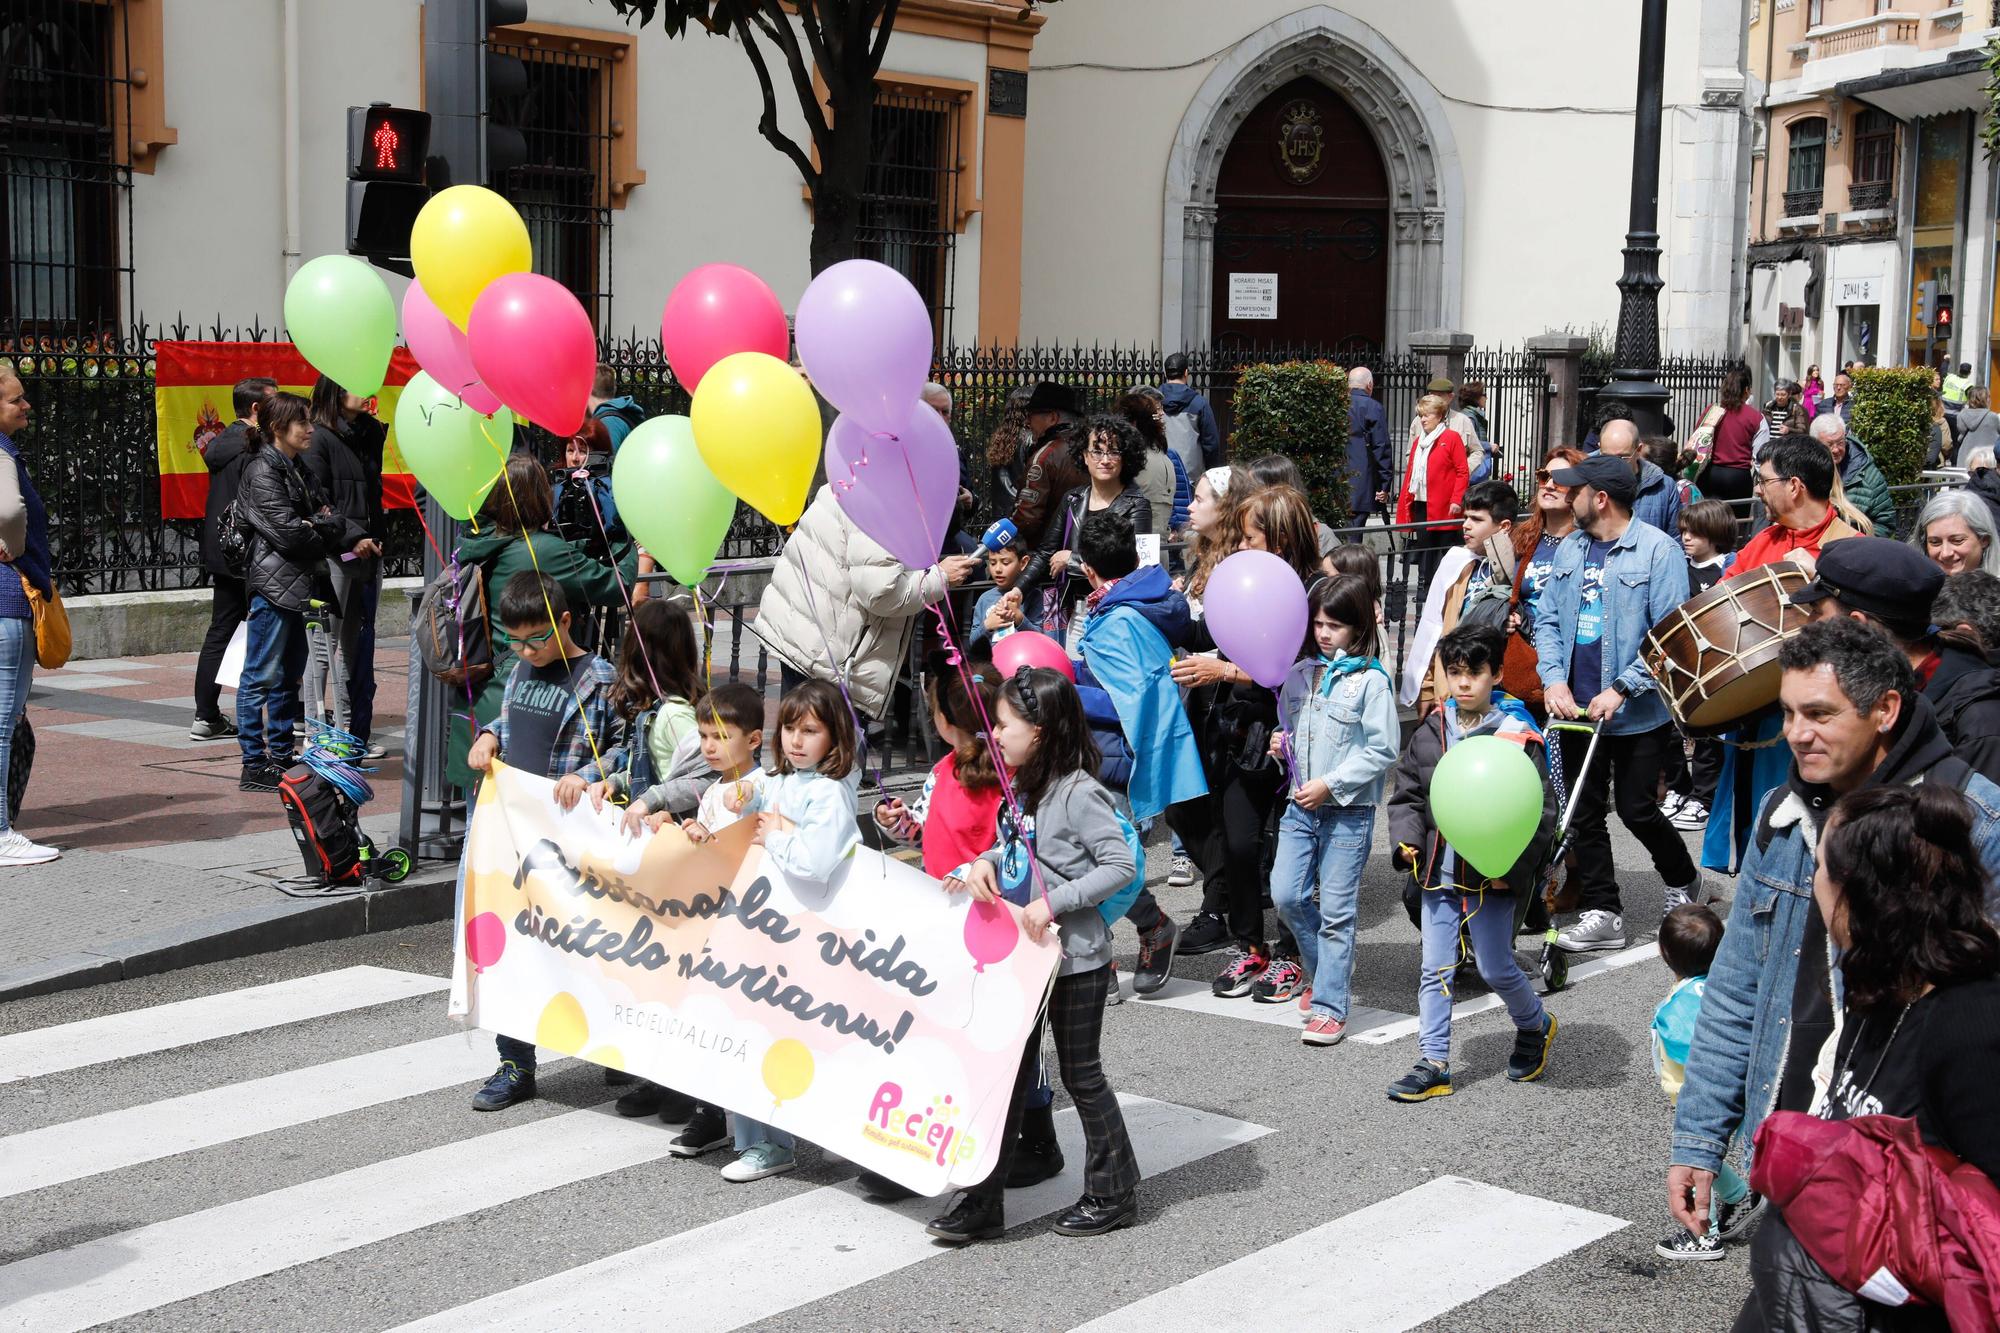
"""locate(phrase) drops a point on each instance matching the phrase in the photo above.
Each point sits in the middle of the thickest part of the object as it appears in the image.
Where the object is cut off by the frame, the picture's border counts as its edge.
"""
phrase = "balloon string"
(589, 732)
(471, 721)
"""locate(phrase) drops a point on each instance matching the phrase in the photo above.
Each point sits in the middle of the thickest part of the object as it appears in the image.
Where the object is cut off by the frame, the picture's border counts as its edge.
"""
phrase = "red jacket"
(1868, 1194)
(1444, 482)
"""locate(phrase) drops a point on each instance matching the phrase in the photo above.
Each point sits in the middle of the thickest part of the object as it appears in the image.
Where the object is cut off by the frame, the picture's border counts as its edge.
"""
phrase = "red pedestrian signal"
(1943, 312)
(387, 143)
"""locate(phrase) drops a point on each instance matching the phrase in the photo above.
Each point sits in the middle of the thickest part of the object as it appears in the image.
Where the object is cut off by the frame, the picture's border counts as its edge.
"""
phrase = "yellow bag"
(52, 639)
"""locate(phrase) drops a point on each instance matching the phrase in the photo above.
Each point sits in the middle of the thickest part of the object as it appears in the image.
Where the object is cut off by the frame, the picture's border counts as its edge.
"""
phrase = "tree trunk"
(843, 178)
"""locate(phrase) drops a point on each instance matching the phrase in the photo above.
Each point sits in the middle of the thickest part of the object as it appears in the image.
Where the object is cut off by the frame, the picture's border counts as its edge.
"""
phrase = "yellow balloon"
(788, 1065)
(608, 1056)
(563, 1026)
(757, 427)
(464, 238)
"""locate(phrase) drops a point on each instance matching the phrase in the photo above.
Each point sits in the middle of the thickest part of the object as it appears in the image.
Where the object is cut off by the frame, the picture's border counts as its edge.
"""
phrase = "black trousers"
(228, 609)
(1695, 775)
(1076, 1019)
(1225, 833)
(1423, 547)
(1626, 772)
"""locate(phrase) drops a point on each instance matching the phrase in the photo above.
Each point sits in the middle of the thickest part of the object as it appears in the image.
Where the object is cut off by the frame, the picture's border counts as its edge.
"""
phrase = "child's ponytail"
(973, 762)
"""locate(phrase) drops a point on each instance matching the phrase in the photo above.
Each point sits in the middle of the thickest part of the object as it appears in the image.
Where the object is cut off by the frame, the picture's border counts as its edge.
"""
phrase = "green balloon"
(669, 500)
(340, 315)
(456, 453)
(1486, 799)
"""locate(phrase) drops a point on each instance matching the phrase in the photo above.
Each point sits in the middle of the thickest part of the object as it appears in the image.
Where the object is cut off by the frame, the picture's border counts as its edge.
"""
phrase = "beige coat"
(835, 592)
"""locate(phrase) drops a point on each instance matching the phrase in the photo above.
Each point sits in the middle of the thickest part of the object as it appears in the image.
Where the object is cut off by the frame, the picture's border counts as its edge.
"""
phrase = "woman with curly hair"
(1007, 450)
(1112, 454)
(1212, 520)
(1903, 893)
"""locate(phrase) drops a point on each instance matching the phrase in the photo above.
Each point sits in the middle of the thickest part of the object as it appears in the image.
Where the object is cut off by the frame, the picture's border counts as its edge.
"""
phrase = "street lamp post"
(1635, 365)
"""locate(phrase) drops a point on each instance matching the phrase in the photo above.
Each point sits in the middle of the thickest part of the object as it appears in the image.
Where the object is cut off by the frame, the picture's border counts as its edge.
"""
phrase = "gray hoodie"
(1084, 861)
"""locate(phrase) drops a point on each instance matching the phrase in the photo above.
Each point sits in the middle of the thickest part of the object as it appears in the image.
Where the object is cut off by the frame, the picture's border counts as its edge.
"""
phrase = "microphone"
(1000, 534)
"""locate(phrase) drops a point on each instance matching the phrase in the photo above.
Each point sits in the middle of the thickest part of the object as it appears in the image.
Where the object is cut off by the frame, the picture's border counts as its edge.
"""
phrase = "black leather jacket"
(1060, 534)
(293, 530)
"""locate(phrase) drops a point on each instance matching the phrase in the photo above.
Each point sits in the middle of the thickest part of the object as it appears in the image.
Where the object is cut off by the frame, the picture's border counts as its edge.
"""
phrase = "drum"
(1715, 656)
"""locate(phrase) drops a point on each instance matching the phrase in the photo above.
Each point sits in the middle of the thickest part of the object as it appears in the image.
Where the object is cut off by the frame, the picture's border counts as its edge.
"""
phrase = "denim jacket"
(1645, 577)
(1743, 1037)
(1342, 729)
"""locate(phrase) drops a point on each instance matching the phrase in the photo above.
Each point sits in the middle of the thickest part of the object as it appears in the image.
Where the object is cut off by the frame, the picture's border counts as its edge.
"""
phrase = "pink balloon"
(1026, 648)
(865, 338)
(1256, 610)
(533, 345)
(990, 934)
(718, 310)
(900, 490)
(439, 347)
(485, 940)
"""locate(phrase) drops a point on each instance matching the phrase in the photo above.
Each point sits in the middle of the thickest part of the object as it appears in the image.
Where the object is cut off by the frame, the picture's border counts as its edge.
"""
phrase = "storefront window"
(1940, 149)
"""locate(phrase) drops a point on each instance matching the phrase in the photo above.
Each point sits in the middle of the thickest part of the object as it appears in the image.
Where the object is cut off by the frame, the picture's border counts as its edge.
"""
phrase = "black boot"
(1093, 1216)
(1037, 1156)
(974, 1218)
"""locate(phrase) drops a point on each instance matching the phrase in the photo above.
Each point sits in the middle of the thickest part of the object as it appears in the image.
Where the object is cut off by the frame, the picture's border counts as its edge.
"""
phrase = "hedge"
(1892, 417)
(1298, 409)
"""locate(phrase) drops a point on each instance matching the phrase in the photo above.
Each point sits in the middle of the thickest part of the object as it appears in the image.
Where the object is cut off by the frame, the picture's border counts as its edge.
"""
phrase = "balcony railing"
(1874, 195)
(1803, 203)
(1864, 34)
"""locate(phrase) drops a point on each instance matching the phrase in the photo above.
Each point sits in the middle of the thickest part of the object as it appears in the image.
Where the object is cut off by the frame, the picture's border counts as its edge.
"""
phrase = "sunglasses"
(526, 641)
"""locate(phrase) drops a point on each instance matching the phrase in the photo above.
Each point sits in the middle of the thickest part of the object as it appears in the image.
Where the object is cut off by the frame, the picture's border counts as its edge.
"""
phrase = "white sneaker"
(16, 850)
(1595, 930)
(1691, 817)
(758, 1161)
(1672, 805)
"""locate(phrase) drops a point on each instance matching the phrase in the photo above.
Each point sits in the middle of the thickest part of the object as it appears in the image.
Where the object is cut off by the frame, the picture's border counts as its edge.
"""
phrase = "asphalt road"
(259, 1180)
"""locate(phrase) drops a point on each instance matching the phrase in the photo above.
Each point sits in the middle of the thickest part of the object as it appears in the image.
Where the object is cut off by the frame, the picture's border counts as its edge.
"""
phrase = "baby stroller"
(323, 794)
(1552, 962)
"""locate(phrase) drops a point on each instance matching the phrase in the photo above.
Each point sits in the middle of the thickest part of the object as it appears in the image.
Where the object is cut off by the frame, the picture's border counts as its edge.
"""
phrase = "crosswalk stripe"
(1399, 1028)
(809, 1246)
(1196, 998)
(75, 1149)
(162, 1027)
(1392, 1265)
(131, 1272)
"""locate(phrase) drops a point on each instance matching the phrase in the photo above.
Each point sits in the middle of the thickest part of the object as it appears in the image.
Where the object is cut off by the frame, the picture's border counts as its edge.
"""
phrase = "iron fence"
(1692, 383)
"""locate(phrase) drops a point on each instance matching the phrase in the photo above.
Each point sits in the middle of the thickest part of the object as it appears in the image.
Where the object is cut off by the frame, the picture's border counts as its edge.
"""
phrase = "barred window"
(563, 189)
(909, 206)
(65, 172)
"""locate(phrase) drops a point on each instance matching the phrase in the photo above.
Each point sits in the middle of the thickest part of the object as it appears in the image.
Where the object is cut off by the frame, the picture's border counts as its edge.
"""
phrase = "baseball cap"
(1612, 475)
(1875, 576)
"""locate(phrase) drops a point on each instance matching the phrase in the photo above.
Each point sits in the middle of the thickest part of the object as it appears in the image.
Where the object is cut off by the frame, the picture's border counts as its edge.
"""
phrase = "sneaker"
(1156, 957)
(1239, 973)
(1531, 1051)
(1680, 896)
(1426, 1080)
(758, 1161)
(1671, 806)
(205, 730)
(16, 850)
(1686, 1246)
(1692, 817)
(1594, 931)
(1205, 934)
(1181, 874)
(1116, 994)
(642, 1100)
(259, 777)
(1323, 1030)
(706, 1131)
(510, 1084)
(1733, 1219)
(374, 751)
(1281, 981)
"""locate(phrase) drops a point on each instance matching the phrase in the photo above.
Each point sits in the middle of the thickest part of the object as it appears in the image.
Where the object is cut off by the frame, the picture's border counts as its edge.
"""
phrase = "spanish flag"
(192, 384)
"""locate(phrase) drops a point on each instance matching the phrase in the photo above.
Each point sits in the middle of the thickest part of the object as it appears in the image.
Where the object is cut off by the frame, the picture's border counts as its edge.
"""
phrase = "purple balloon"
(1256, 610)
(899, 489)
(865, 339)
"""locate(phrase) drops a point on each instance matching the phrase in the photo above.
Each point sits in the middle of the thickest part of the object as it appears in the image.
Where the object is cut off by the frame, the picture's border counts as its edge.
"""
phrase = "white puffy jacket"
(863, 605)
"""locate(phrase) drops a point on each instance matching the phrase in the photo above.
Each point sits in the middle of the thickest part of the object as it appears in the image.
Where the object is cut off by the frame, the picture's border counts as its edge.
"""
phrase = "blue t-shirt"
(1537, 578)
(1586, 665)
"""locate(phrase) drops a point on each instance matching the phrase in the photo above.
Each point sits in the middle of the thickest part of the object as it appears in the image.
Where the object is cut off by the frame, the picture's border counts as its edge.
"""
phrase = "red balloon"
(532, 344)
(485, 940)
(718, 310)
(1026, 648)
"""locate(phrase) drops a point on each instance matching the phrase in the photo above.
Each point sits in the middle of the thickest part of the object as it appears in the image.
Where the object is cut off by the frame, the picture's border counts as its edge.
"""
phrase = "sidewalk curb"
(426, 896)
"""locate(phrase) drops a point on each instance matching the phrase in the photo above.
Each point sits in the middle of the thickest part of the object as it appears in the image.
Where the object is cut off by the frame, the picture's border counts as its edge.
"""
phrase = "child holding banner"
(555, 716)
(1068, 823)
(805, 823)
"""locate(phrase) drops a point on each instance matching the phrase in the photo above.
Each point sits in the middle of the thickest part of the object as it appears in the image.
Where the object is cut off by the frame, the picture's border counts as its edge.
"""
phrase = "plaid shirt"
(576, 744)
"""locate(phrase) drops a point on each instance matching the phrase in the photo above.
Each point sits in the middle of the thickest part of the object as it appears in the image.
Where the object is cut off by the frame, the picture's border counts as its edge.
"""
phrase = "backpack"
(452, 630)
(1017, 878)
(1184, 439)
(324, 824)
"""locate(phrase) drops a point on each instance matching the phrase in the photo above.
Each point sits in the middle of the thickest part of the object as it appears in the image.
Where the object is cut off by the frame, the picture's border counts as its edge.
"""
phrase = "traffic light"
(386, 147)
(475, 91)
(506, 85)
(1943, 307)
(1926, 302)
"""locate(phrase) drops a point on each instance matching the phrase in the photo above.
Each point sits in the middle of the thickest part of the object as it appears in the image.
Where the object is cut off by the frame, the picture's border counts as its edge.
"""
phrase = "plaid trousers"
(1075, 1017)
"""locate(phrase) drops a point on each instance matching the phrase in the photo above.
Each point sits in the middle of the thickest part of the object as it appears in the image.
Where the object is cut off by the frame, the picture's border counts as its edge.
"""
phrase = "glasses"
(526, 641)
(1101, 451)
(1763, 481)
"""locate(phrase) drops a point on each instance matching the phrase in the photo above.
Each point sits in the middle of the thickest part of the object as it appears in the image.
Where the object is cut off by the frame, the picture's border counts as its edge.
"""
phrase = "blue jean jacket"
(1744, 1034)
(1645, 577)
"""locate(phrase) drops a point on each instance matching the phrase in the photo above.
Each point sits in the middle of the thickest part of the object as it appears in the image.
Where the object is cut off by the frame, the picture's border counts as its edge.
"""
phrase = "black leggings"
(1225, 832)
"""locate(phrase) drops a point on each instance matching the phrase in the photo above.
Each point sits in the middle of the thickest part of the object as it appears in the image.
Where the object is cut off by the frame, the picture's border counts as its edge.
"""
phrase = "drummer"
(1795, 481)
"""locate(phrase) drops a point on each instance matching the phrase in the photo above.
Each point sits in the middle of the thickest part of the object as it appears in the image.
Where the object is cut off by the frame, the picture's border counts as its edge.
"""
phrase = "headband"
(1217, 479)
